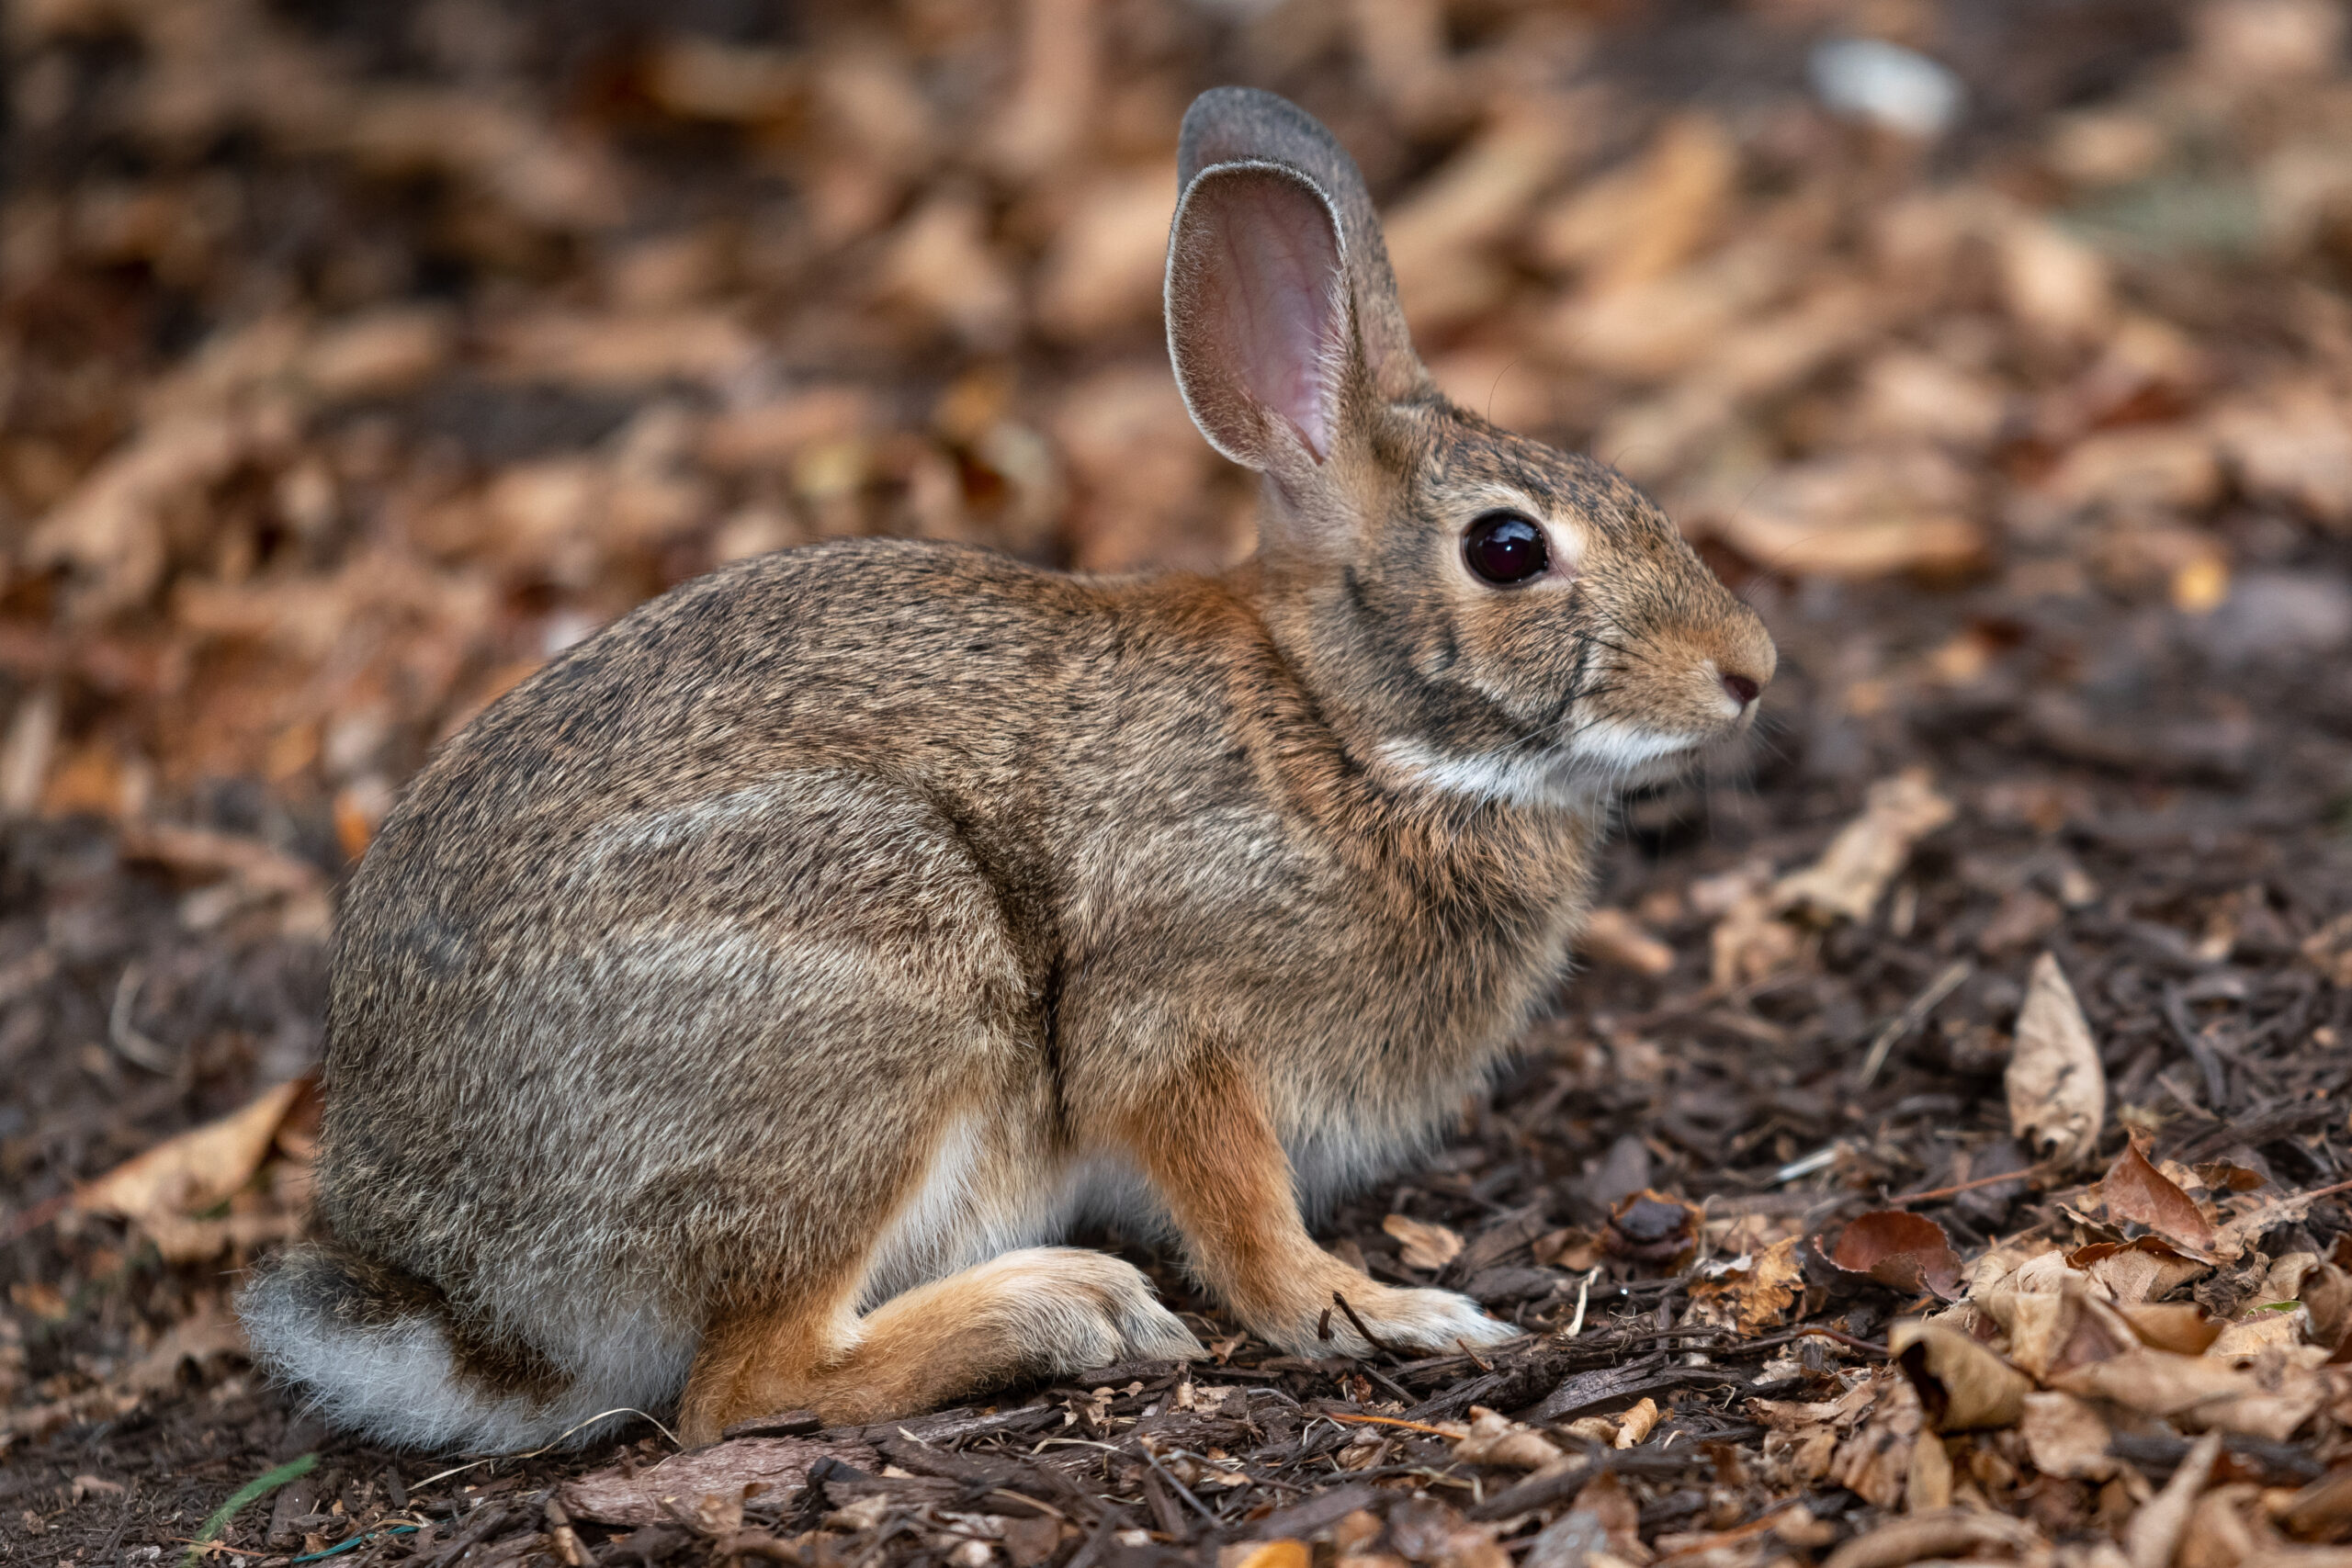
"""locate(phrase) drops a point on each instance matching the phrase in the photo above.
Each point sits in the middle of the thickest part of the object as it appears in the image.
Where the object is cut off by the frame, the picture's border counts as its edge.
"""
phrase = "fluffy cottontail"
(725, 1017)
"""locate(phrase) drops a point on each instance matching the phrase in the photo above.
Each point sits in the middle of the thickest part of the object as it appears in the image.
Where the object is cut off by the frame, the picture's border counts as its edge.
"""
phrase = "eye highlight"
(1504, 548)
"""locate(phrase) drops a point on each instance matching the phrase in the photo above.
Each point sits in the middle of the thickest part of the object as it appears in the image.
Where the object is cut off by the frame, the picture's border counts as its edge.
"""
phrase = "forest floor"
(1942, 1152)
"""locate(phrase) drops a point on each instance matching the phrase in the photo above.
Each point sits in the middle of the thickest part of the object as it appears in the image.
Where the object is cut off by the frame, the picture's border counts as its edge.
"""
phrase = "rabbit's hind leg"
(1039, 1312)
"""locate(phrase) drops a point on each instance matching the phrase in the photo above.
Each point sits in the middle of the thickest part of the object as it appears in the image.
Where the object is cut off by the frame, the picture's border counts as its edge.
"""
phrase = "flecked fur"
(724, 1019)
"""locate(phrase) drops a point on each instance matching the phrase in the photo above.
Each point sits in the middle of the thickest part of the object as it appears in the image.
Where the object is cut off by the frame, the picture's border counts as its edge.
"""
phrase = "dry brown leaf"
(1422, 1245)
(2206, 1390)
(2066, 1435)
(197, 1169)
(2135, 1192)
(1947, 1533)
(1751, 1293)
(1614, 937)
(1650, 1228)
(2057, 1090)
(2181, 1328)
(1846, 882)
(1636, 1426)
(1643, 221)
(617, 1498)
(2146, 1269)
(1962, 1385)
(1436, 1534)
(1854, 516)
(1495, 1439)
(1899, 1249)
(2154, 1535)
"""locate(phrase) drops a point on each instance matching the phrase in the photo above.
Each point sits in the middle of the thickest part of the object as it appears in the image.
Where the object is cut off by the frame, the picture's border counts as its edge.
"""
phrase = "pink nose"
(1743, 690)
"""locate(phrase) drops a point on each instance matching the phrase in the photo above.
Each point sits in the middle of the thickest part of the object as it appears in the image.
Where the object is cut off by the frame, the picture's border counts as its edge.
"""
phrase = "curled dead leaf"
(2065, 1437)
(2178, 1327)
(1422, 1245)
(1614, 937)
(1846, 882)
(1751, 1293)
(2135, 1192)
(1945, 1533)
(1651, 1228)
(1962, 1385)
(1495, 1439)
(197, 1169)
(2057, 1090)
(1901, 1250)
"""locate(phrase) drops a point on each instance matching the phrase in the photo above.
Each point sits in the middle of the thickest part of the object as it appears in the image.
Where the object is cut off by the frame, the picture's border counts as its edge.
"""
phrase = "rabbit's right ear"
(1259, 325)
(1229, 125)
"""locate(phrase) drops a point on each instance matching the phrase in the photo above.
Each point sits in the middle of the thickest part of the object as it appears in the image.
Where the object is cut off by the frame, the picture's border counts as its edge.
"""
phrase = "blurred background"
(357, 357)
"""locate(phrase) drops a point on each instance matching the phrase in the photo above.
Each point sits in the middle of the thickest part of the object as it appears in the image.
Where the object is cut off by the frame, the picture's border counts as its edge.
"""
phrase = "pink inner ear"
(1274, 304)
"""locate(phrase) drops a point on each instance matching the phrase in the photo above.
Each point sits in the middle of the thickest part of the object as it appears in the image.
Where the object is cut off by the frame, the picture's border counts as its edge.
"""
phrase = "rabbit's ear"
(1258, 312)
(1241, 124)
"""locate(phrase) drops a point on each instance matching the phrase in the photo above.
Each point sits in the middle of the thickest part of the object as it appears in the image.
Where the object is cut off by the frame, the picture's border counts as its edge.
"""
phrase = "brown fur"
(821, 936)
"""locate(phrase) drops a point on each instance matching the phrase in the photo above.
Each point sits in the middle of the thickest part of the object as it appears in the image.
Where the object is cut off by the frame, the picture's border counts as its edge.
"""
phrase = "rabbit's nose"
(1744, 689)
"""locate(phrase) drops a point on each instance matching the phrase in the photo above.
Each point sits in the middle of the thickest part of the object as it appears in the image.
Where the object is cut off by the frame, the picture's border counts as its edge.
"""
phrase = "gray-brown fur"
(691, 988)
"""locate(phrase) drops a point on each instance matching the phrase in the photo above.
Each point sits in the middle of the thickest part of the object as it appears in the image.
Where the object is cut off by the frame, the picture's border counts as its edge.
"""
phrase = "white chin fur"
(1623, 748)
(1534, 778)
(1603, 756)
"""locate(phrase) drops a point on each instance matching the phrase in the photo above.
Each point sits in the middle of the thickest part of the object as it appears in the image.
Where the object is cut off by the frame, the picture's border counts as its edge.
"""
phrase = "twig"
(122, 1030)
(1915, 1013)
(492, 1458)
(1369, 1338)
(1387, 1421)
(1971, 1185)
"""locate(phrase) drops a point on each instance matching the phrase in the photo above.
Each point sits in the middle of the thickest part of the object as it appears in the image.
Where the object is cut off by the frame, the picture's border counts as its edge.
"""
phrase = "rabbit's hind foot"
(1040, 1311)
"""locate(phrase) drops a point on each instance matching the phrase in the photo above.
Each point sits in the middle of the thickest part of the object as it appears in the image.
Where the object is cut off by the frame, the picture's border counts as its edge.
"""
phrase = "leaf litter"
(1943, 1155)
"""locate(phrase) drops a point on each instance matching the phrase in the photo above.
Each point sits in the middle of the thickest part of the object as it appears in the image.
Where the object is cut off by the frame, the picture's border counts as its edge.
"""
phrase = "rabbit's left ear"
(1258, 310)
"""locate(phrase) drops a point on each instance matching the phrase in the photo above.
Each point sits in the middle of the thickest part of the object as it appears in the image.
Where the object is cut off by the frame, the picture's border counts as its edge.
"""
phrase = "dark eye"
(1504, 547)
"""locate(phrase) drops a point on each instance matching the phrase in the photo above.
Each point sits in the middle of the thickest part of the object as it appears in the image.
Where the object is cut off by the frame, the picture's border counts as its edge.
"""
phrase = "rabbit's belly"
(992, 1187)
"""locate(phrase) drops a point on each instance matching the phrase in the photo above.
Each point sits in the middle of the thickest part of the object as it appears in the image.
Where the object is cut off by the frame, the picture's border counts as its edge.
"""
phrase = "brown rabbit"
(725, 1017)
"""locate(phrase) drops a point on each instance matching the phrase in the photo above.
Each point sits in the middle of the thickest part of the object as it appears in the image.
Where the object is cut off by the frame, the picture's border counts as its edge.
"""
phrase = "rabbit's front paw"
(1399, 1319)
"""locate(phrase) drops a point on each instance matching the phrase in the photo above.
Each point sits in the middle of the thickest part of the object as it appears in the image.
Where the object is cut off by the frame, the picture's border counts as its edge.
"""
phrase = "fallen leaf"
(1962, 1385)
(2154, 1535)
(1435, 1533)
(2178, 1327)
(1636, 1426)
(1495, 1439)
(1614, 937)
(2135, 1192)
(197, 1169)
(615, 1496)
(2057, 1090)
(1847, 880)
(2210, 1390)
(1651, 1228)
(1422, 1245)
(1901, 1250)
(2066, 1435)
(2145, 1269)
(1946, 1534)
(1751, 1293)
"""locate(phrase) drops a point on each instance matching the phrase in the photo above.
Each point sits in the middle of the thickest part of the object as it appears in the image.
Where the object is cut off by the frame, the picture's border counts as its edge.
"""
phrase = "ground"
(1937, 1154)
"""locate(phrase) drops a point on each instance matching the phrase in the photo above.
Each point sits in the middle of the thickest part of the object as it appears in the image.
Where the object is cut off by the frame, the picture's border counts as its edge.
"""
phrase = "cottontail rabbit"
(725, 1017)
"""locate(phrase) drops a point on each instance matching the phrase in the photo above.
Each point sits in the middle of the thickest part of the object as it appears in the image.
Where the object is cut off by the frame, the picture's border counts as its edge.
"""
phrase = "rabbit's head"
(1481, 612)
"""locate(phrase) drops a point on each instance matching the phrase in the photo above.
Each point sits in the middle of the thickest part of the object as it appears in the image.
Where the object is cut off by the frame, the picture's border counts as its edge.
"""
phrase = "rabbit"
(733, 1017)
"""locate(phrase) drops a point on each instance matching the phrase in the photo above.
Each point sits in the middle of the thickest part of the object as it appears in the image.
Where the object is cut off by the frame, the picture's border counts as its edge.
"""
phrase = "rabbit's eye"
(1504, 547)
